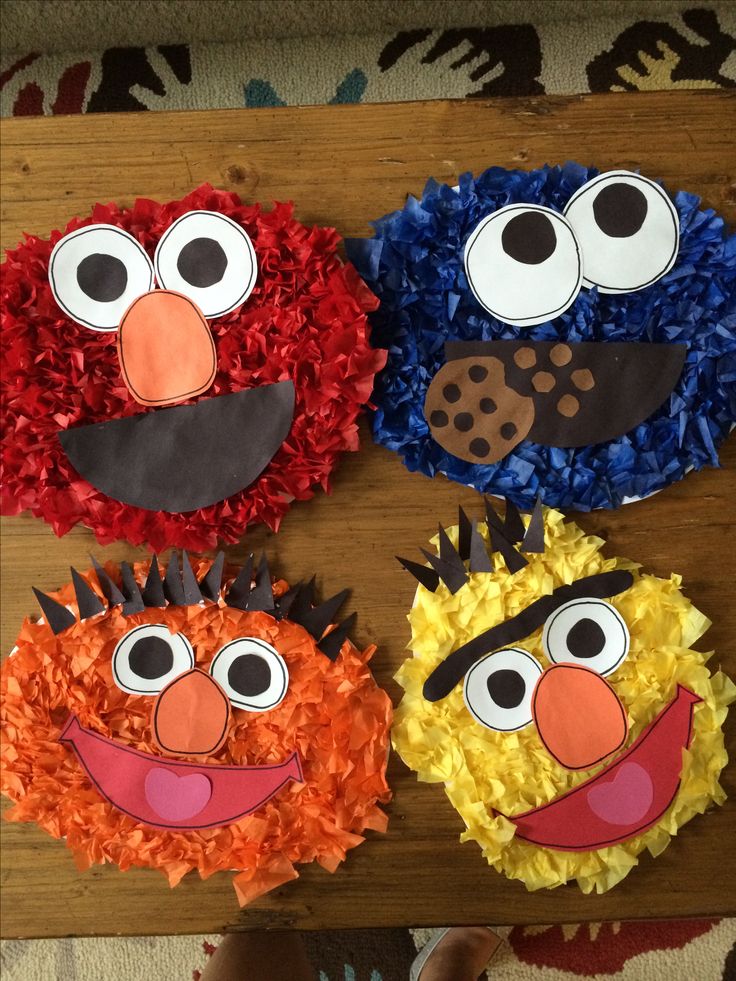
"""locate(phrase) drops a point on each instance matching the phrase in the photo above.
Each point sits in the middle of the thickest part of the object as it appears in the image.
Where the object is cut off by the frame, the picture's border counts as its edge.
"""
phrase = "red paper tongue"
(626, 799)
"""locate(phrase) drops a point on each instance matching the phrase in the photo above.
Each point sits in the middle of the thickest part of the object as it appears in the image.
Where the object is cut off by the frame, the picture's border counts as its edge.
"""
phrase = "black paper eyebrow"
(447, 674)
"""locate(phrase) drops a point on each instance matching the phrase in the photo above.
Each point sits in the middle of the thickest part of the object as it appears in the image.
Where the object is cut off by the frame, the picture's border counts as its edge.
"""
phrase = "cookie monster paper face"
(174, 372)
(205, 720)
(557, 696)
(560, 334)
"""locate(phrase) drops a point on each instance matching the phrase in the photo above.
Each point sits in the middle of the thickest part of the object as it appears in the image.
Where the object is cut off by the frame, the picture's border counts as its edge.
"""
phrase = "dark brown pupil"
(249, 675)
(151, 657)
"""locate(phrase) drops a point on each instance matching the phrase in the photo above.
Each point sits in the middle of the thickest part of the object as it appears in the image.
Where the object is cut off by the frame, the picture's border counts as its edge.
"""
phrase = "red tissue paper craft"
(172, 373)
(207, 718)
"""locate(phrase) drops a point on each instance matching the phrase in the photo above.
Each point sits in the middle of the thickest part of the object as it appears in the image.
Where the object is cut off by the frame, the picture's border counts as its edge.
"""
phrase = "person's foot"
(458, 954)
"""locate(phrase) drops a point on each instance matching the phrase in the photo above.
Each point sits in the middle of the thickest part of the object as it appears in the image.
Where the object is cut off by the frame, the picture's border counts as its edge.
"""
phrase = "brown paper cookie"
(473, 414)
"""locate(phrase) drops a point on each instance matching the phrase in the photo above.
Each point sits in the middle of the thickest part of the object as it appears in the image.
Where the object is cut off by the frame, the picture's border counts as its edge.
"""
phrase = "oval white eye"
(628, 229)
(523, 264)
(588, 632)
(148, 657)
(498, 689)
(95, 274)
(210, 259)
(252, 673)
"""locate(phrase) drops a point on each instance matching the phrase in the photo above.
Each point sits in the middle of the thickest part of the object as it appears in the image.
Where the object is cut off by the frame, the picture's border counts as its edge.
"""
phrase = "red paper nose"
(191, 715)
(166, 350)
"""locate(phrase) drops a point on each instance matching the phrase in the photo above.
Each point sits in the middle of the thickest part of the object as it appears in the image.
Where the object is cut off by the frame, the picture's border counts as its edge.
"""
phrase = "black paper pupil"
(202, 262)
(586, 638)
(249, 675)
(620, 210)
(529, 238)
(151, 657)
(506, 687)
(102, 277)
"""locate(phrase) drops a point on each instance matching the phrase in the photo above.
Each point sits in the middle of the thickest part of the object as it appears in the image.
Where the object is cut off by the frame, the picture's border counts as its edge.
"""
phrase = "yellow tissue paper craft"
(557, 696)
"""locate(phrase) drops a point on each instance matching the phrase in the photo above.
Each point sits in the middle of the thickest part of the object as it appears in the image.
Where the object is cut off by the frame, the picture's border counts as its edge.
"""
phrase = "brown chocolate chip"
(479, 447)
(508, 430)
(560, 355)
(583, 379)
(487, 406)
(543, 381)
(477, 373)
(526, 357)
(464, 422)
(439, 419)
(451, 393)
(568, 406)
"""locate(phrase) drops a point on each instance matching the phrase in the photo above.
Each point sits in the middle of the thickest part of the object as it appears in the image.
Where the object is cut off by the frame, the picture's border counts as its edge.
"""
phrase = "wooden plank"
(343, 166)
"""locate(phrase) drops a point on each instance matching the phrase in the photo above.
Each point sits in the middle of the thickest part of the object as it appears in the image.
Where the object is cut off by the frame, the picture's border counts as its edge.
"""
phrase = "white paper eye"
(95, 274)
(523, 264)
(209, 258)
(253, 674)
(628, 229)
(589, 632)
(498, 689)
(148, 657)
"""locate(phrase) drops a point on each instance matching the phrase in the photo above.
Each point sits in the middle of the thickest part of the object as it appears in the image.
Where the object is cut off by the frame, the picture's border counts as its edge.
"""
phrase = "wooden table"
(344, 165)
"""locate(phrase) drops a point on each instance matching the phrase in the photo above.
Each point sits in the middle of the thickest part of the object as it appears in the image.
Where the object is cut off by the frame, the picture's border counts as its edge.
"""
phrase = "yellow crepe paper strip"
(513, 772)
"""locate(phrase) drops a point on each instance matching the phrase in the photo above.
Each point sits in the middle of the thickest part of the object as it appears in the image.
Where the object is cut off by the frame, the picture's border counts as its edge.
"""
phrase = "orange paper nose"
(166, 349)
(191, 715)
(579, 716)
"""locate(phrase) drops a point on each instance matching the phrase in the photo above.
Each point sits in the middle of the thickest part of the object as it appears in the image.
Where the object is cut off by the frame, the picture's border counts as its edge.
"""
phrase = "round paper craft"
(557, 695)
(206, 718)
(557, 333)
(172, 373)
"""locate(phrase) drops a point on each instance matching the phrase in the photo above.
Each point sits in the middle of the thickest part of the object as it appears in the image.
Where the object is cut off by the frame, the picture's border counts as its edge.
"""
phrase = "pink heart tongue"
(176, 798)
(625, 799)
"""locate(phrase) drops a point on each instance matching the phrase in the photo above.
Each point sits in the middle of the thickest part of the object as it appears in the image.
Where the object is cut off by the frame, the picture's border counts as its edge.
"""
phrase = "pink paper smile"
(173, 794)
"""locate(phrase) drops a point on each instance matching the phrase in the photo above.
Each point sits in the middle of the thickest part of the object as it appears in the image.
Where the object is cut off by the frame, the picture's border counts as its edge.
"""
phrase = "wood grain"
(344, 166)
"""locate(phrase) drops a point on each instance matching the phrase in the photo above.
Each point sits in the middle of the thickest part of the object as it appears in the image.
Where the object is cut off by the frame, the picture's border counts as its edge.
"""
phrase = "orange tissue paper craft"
(557, 695)
(172, 373)
(204, 718)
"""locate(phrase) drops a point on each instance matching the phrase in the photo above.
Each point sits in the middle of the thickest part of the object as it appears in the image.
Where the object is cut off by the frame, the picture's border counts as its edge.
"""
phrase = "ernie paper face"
(557, 695)
(196, 700)
(560, 334)
(182, 370)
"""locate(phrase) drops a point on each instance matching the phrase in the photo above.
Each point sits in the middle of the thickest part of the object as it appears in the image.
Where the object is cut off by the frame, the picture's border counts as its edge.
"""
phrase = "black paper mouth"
(184, 457)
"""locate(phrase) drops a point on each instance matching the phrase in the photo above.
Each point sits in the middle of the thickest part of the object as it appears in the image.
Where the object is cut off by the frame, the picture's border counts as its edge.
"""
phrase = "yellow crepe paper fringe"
(513, 772)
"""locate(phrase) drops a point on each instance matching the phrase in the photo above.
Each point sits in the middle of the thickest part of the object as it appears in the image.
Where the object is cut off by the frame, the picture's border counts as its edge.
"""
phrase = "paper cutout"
(422, 573)
(134, 756)
(96, 272)
(600, 812)
(88, 601)
(523, 264)
(628, 230)
(110, 591)
(579, 717)
(165, 349)
(183, 457)
(588, 632)
(512, 788)
(415, 265)
(209, 258)
(534, 536)
(57, 616)
(546, 392)
(498, 689)
(252, 674)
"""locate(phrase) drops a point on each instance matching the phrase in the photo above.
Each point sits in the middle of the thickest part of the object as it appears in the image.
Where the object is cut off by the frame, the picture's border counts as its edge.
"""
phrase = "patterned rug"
(693, 49)
(702, 950)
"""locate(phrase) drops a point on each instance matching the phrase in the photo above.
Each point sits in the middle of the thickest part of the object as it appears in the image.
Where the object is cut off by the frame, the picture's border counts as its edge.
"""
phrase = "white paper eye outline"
(64, 262)
(504, 286)
(478, 699)
(240, 274)
(263, 701)
(129, 680)
(606, 257)
(615, 632)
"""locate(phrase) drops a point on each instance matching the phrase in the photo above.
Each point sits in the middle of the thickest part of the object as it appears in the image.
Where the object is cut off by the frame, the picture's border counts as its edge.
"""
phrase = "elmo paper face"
(174, 372)
(182, 707)
(560, 334)
(556, 695)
